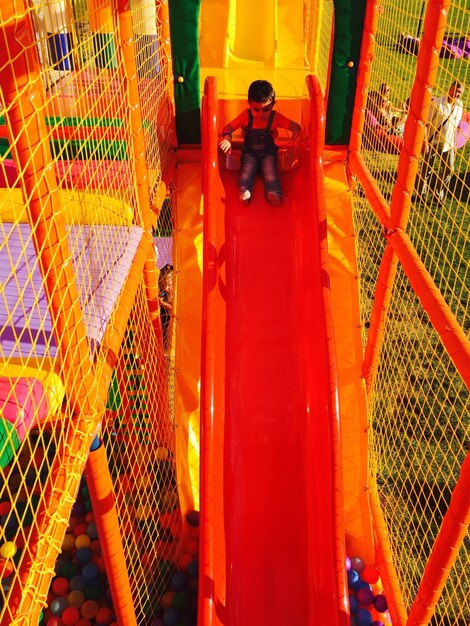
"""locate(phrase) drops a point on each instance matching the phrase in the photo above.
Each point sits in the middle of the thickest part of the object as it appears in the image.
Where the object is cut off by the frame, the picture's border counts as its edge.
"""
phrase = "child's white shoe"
(245, 196)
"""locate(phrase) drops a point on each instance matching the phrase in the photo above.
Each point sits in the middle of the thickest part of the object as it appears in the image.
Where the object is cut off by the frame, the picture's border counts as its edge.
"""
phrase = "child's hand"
(225, 145)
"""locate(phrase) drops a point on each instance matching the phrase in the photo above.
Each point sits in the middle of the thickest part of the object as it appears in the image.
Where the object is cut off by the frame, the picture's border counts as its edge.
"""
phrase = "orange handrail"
(213, 587)
(317, 135)
(426, 69)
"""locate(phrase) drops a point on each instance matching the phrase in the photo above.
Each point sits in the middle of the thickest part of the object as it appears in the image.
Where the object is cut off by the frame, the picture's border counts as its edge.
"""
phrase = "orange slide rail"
(270, 436)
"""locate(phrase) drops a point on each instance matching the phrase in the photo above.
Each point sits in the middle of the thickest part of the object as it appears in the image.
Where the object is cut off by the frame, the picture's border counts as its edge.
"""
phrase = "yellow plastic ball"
(8, 550)
(350, 63)
(180, 79)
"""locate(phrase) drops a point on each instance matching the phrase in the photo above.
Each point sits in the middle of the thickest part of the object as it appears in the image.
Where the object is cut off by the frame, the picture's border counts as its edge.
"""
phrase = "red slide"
(271, 546)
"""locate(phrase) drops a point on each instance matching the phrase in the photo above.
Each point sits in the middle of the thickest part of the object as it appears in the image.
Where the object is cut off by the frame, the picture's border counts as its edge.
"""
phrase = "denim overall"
(259, 151)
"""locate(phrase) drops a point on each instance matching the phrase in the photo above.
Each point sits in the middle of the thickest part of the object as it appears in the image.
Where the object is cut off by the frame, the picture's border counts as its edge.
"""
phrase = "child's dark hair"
(164, 271)
(261, 91)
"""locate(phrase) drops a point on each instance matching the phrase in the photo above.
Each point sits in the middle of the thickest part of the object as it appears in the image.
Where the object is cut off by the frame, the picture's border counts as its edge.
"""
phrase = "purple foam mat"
(101, 258)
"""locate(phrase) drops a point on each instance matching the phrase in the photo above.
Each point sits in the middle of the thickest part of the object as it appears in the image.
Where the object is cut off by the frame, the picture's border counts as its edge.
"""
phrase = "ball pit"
(367, 603)
(79, 593)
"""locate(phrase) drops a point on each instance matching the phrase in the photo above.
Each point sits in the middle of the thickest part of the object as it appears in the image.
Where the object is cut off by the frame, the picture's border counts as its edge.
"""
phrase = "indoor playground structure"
(223, 414)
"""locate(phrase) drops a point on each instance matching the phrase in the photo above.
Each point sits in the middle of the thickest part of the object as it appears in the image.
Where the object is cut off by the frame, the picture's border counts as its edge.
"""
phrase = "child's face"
(261, 110)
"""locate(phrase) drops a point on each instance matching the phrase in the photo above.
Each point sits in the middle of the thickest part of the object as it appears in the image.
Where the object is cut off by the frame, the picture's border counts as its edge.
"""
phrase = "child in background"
(165, 286)
(259, 124)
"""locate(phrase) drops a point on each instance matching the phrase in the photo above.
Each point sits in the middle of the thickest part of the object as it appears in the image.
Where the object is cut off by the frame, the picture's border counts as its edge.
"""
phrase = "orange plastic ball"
(6, 568)
(82, 541)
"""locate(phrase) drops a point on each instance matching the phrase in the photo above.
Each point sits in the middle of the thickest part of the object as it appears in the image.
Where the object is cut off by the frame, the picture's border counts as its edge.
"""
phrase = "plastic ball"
(79, 529)
(82, 541)
(170, 617)
(353, 577)
(60, 586)
(90, 571)
(77, 583)
(180, 79)
(161, 454)
(167, 599)
(357, 564)
(363, 618)
(76, 598)
(69, 542)
(365, 596)
(70, 616)
(353, 604)
(370, 574)
(83, 622)
(181, 600)
(193, 568)
(6, 568)
(84, 555)
(5, 507)
(89, 609)
(104, 615)
(348, 563)
(178, 581)
(8, 550)
(350, 63)
(54, 621)
(380, 603)
(92, 531)
(58, 606)
(193, 518)
(184, 560)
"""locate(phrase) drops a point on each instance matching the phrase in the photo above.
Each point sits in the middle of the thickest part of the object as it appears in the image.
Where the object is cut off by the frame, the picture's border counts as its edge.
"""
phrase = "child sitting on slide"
(259, 124)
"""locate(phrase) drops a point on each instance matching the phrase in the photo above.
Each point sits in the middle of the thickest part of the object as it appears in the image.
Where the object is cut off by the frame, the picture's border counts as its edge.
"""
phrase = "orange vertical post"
(101, 493)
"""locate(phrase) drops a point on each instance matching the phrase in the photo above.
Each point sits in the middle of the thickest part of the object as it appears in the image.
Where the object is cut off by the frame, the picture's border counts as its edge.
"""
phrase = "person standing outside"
(259, 124)
(445, 114)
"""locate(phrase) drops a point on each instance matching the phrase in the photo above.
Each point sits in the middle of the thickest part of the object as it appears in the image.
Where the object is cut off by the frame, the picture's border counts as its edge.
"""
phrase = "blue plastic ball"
(170, 616)
(178, 581)
(84, 555)
(353, 577)
(193, 568)
(90, 571)
(353, 604)
(363, 618)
